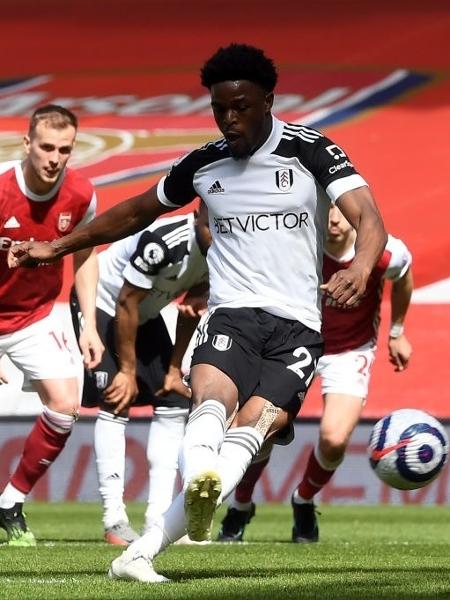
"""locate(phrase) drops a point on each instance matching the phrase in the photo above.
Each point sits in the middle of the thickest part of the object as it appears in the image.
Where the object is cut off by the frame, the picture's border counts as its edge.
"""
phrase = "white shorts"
(41, 350)
(347, 372)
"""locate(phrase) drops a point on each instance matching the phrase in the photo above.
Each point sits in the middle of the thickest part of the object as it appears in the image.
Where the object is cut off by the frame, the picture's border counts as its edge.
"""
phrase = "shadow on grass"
(175, 575)
(280, 571)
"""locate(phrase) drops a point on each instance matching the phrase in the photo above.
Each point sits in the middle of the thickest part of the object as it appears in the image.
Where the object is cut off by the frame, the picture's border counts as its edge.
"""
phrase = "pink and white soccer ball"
(408, 449)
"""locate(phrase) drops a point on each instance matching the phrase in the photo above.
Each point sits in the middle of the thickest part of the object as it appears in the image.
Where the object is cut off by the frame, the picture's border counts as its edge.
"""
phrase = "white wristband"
(396, 331)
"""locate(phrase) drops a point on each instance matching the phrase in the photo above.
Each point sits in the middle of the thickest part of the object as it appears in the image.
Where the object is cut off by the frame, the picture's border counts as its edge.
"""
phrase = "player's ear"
(26, 143)
(268, 101)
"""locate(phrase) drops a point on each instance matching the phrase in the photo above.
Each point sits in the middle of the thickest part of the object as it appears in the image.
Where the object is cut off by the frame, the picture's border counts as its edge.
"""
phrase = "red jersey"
(28, 294)
(348, 328)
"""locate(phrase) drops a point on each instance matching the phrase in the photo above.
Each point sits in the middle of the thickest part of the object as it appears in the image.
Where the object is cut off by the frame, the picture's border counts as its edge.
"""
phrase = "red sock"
(314, 479)
(244, 490)
(42, 447)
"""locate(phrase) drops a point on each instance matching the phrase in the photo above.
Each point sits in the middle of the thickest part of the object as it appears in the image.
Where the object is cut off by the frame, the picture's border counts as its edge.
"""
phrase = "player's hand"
(193, 305)
(91, 347)
(30, 254)
(346, 286)
(173, 382)
(400, 351)
(122, 392)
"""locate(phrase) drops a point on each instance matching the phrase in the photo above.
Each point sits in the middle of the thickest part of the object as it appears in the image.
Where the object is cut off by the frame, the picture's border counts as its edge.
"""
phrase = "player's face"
(48, 150)
(242, 113)
(339, 229)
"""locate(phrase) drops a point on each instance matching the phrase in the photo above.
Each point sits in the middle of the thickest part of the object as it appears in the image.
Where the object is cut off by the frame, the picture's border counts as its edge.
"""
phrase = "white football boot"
(133, 566)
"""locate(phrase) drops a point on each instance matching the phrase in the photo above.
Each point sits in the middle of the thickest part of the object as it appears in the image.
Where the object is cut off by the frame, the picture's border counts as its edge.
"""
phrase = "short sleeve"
(150, 256)
(400, 259)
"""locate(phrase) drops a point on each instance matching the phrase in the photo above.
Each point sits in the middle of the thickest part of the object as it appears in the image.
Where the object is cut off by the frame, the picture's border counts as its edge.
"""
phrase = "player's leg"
(289, 362)
(215, 396)
(169, 417)
(241, 443)
(277, 397)
(41, 352)
(259, 418)
(109, 431)
(241, 508)
(289, 355)
(225, 367)
(220, 359)
(340, 416)
(345, 379)
(289, 358)
(164, 441)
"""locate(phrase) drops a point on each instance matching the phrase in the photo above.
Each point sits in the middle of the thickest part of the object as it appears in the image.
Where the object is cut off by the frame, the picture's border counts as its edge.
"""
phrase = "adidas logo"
(11, 223)
(216, 188)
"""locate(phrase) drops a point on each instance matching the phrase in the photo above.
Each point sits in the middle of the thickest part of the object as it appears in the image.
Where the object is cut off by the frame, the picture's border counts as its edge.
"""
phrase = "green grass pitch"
(365, 553)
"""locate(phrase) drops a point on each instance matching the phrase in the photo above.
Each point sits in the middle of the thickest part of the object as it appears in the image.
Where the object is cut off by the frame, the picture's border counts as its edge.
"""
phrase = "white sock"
(57, 421)
(203, 439)
(242, 506)
(164, 530)
(238, 449)
(297, 499)
(241, 444)
(10, 496)
(164, 441)
(109, 444)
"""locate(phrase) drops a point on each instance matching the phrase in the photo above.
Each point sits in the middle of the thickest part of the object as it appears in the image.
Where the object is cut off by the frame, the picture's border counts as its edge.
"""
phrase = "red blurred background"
(105, 47)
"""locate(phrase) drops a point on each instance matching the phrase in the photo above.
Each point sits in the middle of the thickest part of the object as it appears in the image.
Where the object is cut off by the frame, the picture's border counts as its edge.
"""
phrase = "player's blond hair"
(57, 117)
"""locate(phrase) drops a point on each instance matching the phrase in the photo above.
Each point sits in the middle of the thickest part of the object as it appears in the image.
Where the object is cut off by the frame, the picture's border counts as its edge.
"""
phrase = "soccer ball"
(408, 449)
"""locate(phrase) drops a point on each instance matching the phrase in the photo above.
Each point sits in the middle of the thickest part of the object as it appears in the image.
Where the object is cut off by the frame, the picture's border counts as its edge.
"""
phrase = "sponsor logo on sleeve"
(153, 253)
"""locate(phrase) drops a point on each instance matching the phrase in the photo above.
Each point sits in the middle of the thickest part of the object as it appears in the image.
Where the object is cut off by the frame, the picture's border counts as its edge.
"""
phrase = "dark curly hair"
(237, 62)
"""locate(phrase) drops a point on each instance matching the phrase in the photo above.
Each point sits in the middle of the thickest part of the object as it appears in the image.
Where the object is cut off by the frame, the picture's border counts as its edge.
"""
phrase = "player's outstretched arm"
(116, 223)
(400, 349)
(358, 206)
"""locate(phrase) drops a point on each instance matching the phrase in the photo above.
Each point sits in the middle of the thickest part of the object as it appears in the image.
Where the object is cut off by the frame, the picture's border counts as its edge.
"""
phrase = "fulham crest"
(101, 379)
(222, 342)
(284, 179)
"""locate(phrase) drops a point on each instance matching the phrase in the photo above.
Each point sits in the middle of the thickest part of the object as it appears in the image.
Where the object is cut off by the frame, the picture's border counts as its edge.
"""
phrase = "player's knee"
(64, 407)
(208, 383)
(333, 444)
(229, 404)
(60, 396)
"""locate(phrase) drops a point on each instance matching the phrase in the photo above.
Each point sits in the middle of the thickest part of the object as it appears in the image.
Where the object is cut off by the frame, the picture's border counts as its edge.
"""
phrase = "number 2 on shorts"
(305, 360)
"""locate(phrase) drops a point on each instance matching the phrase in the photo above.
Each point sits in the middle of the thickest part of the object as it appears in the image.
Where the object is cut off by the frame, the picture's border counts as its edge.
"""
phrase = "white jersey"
(268, 215)
(164, 258)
